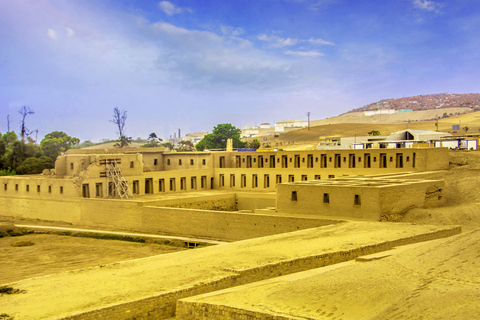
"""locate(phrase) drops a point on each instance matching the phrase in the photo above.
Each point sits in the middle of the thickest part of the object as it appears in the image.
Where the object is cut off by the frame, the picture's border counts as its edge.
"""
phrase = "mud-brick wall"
(397, 200)
(199, 310)
(131, 215)
(161, 306)
(222, 202)
(222, 225)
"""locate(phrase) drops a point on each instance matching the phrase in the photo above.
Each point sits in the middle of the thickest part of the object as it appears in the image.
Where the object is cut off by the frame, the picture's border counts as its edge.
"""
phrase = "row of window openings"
(155, 162)
(326, 198)
(27, 188)
(323, 161)
(172, 184)
(204, 162)
(266, 180)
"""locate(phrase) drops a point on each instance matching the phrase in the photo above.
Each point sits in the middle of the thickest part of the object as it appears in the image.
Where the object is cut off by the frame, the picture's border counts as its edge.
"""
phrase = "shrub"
(22, 244)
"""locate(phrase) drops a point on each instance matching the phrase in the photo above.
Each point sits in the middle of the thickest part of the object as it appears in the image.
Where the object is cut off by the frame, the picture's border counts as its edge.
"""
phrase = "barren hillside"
(351, 124)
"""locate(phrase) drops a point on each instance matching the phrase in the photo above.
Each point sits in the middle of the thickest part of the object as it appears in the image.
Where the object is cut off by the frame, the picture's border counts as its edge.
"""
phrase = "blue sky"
(192, 64)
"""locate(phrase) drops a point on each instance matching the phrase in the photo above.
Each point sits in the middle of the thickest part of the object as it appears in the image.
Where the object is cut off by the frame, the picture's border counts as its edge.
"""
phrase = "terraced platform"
(150, 288)
(430, 280)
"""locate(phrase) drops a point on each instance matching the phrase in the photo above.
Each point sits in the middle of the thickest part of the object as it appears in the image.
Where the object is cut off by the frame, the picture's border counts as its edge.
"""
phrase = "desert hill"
(426, 102)
(355, 123)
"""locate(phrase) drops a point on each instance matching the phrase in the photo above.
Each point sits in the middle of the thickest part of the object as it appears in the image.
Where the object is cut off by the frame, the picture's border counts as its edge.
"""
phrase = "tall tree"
(24, 111)
(119, 118)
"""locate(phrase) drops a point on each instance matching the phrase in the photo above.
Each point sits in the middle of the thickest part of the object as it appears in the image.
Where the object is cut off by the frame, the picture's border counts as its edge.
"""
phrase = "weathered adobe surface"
(148, 288)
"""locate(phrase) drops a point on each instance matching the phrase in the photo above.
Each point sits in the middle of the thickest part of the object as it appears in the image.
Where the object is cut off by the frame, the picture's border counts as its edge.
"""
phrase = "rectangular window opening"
(326, 198)
(85, 191)
(357, 201)
(221, 179)
(243, 181)
(98, 190)
(294, 195)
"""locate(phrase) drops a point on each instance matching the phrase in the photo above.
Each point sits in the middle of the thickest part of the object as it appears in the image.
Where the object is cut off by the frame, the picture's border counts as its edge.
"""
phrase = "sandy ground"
(434, 280)
(89, 288)
(54, 253)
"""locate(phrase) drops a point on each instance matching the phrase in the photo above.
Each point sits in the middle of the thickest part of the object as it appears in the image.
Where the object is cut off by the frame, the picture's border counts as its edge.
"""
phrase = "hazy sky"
(192, 64)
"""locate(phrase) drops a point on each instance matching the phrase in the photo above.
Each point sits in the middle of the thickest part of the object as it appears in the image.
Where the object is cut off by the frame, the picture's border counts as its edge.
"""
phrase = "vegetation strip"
(126, 234)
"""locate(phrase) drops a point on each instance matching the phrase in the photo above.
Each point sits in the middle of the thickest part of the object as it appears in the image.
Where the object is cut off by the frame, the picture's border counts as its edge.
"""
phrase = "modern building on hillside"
(408, 138)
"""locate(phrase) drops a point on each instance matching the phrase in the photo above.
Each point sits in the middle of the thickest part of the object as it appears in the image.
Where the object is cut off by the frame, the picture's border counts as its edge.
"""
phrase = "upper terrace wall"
(425, 159)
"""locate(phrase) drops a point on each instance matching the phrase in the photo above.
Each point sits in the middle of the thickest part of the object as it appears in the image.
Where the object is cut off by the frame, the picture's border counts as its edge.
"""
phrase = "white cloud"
(70, 32)
(170, 9)
(277, 42)
(312, 54)
(427, 5)
(198, 58)
(228, 30)
(52, 34)
(320, 42)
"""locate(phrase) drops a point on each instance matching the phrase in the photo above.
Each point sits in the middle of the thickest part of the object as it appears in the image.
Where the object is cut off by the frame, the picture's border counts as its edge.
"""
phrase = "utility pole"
(8, 123)
(308, 115)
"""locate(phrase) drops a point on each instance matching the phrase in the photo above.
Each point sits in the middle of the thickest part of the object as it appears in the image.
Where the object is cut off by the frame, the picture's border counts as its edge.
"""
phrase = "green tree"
(219, 136)
(465, 128)
(123, 141)
(20, 151)
(374, 133)
(254, 144)
(153, 141)
(34, 165)
(9, 137)
(186, 145)
(168, 145)
(57, 142)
